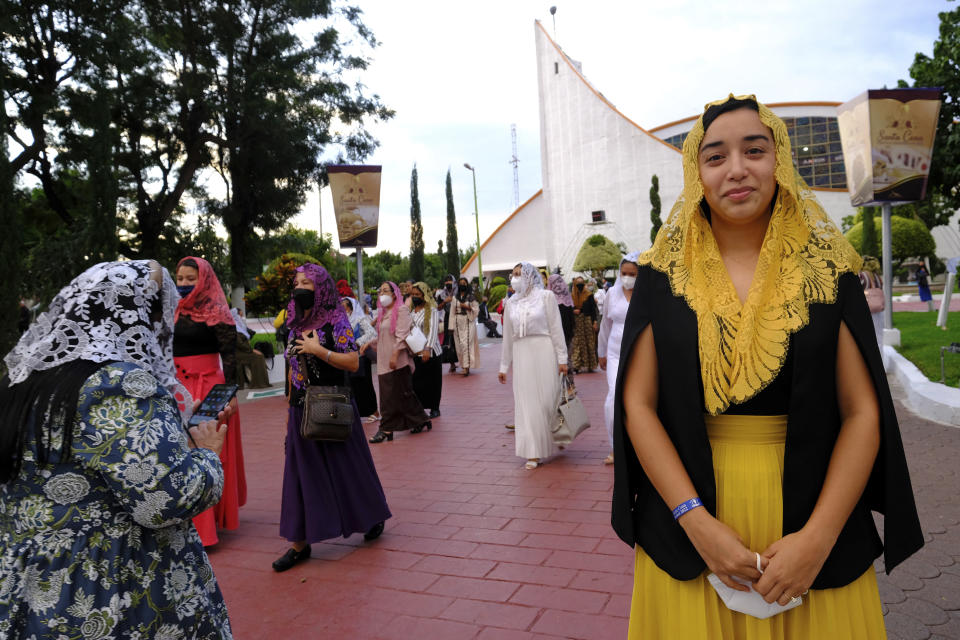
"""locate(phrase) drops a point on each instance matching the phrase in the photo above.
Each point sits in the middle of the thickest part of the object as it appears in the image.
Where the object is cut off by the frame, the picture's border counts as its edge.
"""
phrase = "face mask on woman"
(517, 284)
(386, 300)
(185, 290)
(580, 286)
(417, 301)
(628, 281)
(303, 299)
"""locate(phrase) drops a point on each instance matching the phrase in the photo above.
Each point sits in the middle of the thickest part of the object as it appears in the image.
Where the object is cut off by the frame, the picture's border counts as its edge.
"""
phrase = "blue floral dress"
(99, 544)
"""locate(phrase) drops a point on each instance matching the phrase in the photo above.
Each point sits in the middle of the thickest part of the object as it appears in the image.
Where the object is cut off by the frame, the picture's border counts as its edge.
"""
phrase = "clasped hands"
(789, 565)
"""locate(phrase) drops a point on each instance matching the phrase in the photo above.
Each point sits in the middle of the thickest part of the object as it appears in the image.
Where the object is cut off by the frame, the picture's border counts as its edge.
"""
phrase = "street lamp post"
(476, 214)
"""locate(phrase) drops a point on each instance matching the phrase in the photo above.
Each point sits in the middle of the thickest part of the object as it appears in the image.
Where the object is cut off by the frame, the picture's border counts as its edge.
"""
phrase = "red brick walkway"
(477, 546)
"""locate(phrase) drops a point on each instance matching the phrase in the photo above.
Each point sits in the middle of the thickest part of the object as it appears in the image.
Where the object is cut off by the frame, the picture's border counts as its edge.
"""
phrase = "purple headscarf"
(326, 311)
(560, 289)
(394, 310)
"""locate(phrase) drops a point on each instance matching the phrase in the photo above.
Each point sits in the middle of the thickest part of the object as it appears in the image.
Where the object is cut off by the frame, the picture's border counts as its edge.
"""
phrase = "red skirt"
(198, 374)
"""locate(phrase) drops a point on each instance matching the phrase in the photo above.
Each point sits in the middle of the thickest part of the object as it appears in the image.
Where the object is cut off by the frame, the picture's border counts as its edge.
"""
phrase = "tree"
(870, 246)
(943, 70)
(910, 239)
(280, 105)
(10, 246)
(416, 230)
(655, 220)
(275, 285)
(597, 254)
(453, 254)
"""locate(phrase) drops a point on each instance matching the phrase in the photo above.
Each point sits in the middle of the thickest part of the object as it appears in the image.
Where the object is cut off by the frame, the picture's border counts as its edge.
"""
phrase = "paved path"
(481, 549)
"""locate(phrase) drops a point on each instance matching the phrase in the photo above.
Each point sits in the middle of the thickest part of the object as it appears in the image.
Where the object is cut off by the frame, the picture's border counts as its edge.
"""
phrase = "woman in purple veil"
(330, 489)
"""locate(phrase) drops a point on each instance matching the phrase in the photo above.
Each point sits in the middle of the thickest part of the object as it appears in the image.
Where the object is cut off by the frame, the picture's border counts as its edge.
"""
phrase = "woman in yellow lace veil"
(742, 346)
(750, 410)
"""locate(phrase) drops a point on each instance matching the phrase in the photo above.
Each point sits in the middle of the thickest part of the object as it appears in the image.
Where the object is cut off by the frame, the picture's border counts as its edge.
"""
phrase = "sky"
(459, 74)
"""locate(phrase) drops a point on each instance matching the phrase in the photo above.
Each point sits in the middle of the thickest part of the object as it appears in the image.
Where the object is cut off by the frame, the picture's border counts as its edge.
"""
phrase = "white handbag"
(749, 602)
(416, 341)
(571, 418)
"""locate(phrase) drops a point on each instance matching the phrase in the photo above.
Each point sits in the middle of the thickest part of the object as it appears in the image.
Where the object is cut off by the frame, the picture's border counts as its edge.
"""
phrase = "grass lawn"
(921, 339)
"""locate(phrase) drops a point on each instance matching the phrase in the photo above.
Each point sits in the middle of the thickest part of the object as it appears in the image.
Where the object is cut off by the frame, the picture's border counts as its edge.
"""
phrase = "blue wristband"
(689, 505)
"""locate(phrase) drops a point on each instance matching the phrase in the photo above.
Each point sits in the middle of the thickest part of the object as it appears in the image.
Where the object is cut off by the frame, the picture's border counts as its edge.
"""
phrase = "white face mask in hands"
(749, 602)
(628, 282)
(385, 300)
(517, 284)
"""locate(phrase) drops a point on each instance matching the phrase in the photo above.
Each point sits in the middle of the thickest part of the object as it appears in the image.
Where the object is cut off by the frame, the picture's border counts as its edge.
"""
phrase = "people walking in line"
(533, 344)
(616, 303)
(399, 407)
(205, 336)
(99, 476)
(465, 310)
(428, 370)
(361, 381)
(330, 489)
(584, 345)
(754, 429)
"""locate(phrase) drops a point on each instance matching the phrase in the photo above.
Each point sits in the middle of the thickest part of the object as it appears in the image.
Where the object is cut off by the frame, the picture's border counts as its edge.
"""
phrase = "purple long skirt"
(330, 489)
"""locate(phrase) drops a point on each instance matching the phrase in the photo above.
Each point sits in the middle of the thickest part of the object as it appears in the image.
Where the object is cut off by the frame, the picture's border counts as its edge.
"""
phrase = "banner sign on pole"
(356, 203)
(887, 138)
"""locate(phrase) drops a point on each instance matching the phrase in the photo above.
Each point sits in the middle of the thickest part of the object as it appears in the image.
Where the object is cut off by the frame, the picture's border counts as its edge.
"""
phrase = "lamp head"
(553, 11)
(468, 166)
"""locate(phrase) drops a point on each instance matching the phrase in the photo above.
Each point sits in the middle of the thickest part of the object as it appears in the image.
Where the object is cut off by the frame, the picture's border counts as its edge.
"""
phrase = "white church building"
(597, 163)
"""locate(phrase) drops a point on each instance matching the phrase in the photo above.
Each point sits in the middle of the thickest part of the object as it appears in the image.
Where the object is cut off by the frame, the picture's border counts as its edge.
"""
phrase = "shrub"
(497, 293)
(911, 238)
(597, 254)
(275, 284)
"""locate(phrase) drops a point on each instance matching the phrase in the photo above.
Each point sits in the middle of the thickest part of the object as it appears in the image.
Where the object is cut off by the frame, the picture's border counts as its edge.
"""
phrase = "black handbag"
(327, 411)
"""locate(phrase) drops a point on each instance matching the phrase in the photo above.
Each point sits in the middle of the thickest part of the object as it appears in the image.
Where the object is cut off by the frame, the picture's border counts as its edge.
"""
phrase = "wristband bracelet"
(684, 507)
(328, 356)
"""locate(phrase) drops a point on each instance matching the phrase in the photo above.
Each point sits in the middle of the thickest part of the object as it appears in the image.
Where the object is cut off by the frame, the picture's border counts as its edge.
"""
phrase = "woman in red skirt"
(205, 335)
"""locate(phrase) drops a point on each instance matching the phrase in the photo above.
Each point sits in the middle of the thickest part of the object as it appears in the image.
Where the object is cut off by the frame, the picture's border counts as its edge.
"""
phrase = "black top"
(566, 321)
(196, 338)
(589, 307)
(640, 515)
(318, 371)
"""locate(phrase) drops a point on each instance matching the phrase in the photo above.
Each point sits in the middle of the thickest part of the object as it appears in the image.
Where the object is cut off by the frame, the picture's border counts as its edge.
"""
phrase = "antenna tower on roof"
(515, 161)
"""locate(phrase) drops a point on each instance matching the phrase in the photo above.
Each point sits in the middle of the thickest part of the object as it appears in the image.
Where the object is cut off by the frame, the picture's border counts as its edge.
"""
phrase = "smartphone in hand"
(215, 402)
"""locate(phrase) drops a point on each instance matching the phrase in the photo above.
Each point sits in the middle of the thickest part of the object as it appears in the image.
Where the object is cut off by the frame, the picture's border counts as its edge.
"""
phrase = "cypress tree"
(453, 253)
(416, 230)
(869, 246)
(655, 220)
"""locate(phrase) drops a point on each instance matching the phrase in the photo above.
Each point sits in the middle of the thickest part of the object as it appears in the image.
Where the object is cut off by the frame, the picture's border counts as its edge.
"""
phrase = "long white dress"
(608, 346)
(533, 342)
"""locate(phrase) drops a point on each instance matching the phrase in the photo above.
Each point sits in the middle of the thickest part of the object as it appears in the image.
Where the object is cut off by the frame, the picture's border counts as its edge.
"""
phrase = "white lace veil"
(531, 280)
(113, 311)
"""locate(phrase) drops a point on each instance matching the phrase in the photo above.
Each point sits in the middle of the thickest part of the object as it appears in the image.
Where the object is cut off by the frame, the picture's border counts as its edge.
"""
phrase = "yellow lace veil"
(743, 347)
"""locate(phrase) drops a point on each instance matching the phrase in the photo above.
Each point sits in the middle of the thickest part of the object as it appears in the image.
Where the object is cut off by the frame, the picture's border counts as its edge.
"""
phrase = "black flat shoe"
(381, 435)
(374, 533)
(291, 558)
(435, 413)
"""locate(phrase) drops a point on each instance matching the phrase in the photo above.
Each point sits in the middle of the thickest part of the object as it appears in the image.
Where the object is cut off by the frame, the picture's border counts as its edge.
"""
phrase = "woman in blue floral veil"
(99, 480)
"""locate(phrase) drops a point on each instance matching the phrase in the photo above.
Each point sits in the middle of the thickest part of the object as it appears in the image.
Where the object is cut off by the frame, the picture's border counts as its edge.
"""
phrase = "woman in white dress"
(611, 334)
(428, 374)
(533, 342)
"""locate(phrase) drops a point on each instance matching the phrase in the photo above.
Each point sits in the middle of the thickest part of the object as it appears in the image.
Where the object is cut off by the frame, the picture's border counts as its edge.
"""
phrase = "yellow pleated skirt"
(748, 466)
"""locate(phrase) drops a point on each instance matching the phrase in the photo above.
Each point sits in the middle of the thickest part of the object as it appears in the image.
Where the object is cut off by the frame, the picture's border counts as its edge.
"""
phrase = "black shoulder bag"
(327, 410)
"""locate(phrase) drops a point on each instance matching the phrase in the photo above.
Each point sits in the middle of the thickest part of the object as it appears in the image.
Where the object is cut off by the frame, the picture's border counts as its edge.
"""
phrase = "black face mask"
(303, 299)
(417, 301)
(448, 286)
(580, 286)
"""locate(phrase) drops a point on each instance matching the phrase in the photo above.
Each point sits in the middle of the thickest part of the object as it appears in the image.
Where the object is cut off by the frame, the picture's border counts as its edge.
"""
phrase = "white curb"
(930, 400)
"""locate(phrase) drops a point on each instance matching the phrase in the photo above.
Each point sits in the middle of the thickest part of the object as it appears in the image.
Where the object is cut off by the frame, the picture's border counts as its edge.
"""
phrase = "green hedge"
(911, 238)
